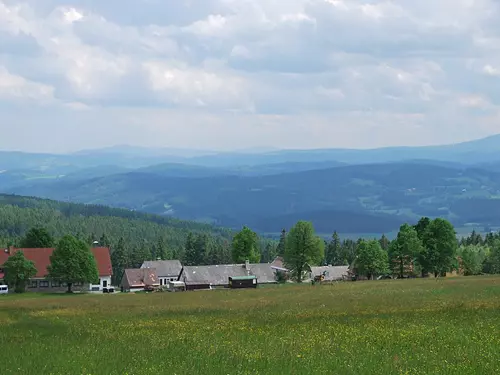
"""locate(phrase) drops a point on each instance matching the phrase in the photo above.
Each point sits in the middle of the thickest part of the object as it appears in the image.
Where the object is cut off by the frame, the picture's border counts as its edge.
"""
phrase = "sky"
(236, 74)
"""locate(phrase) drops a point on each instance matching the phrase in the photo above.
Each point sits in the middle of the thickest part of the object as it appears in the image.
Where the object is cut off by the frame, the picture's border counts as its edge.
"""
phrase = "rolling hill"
(360, 191)
(370, 198)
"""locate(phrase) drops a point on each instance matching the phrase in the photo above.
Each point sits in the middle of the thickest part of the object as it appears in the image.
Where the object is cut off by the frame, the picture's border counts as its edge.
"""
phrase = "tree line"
(429, 247)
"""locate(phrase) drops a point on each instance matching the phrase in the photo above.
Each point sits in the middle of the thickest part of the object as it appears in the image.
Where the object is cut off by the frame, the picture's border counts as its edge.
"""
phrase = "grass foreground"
(448, 326)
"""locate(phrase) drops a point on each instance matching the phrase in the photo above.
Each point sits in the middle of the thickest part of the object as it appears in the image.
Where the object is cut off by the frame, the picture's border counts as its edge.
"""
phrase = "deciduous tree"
(472, 258)
(371, 260)
(18, 271)
(404, 251)
(303, 247)
(245, 246)
(421, 226)
(440, 246)
(72, 262)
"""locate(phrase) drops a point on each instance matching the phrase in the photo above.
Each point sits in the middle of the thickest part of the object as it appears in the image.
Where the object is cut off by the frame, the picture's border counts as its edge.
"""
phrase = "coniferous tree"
(333, 252)
(104, 241)
(280, 250)
(119, 261)
(37, 238)
(190, 254)
(161, 250)
(384, 242)
(349, 251)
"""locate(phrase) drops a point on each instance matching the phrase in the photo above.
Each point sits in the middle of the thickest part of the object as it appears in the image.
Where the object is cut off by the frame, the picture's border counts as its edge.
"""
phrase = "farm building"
(41, 258)
(139, 279)
(209, 277)
(242, 282)
(166, 270)
(331, 273)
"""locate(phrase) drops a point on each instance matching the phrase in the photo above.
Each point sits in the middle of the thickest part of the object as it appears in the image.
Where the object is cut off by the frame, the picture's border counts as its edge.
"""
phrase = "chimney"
(247, 266)
(10, 250)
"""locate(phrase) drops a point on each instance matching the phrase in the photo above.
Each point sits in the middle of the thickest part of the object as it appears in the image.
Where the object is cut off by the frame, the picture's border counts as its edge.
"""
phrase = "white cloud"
(14, 87)
(490, 70)
(280, 73)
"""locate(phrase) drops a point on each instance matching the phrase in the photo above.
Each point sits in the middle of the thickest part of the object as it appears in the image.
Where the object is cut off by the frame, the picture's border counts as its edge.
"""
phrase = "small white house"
(104, 282)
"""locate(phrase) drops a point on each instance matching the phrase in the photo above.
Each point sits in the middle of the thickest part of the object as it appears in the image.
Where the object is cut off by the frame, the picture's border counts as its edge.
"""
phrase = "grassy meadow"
(448, 326)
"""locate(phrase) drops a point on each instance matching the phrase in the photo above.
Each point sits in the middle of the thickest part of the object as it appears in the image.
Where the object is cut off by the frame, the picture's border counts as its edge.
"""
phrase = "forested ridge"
(94, 222)
(430, 246)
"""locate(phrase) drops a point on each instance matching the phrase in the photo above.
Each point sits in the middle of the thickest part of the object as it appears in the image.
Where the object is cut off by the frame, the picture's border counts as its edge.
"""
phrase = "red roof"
(41, 258)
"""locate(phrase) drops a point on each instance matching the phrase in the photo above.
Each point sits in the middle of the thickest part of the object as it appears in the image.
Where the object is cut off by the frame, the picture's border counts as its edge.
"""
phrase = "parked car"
(4, 289)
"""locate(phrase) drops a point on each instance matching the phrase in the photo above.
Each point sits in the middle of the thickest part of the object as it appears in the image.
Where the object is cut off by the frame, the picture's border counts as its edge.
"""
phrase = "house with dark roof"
(217, 276)
(139, 279)
(41, 258)
(166, 270)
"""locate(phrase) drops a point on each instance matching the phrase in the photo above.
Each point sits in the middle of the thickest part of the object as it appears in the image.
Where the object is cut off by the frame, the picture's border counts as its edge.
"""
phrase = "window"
(77, 284)
(56, 284)
(34, 284)
(43, 284)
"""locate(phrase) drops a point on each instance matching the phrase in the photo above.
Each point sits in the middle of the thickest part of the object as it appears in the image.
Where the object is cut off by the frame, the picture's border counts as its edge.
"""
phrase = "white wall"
(101, 282)
(163, 280)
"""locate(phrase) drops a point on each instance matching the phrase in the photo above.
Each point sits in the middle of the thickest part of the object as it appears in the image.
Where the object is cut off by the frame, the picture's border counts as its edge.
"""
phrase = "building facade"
(41, 258)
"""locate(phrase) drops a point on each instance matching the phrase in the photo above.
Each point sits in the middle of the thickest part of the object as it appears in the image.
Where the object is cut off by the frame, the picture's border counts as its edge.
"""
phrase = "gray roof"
(219, 274)
(264, 272)
(332, 272)
(164, 268)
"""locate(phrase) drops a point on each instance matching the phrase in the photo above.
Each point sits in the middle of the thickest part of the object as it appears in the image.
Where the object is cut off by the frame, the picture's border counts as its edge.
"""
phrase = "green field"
(448, 326)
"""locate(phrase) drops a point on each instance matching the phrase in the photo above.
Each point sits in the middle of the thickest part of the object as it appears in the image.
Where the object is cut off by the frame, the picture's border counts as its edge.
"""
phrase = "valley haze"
(352, 191)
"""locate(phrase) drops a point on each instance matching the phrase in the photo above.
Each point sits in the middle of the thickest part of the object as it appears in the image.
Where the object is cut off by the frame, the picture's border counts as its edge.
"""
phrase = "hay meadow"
(448, 326)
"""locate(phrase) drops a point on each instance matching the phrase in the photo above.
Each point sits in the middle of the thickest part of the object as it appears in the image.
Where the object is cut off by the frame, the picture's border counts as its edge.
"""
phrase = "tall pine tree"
(333, 253)
(119, 261)
(280, 250)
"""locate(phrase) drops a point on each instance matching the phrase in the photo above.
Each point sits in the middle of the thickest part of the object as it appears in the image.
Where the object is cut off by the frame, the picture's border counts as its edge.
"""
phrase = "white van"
(4, 289)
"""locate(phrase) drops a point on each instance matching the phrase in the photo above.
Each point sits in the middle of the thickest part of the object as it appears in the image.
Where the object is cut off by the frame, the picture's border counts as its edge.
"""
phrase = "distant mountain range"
(351, 191)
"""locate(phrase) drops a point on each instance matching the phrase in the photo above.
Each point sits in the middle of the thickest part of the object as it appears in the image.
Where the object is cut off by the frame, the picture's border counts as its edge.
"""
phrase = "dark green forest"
(427, 246)
(93, 222)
